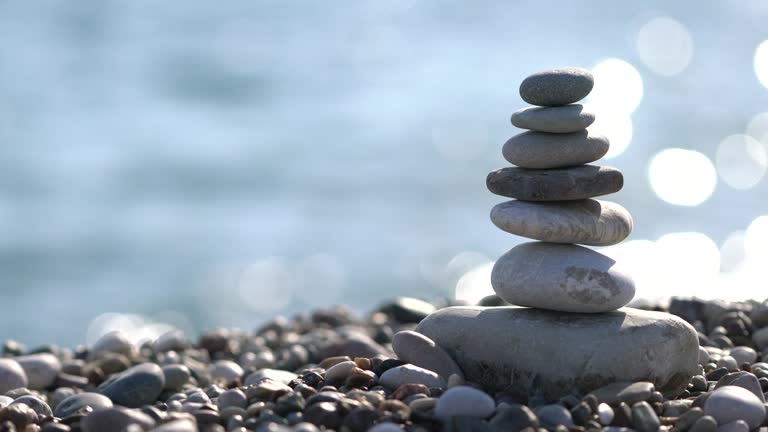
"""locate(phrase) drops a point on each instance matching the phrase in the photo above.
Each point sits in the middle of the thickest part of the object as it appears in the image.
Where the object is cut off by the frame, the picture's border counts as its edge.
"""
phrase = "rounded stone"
(115, 419)
(135, 387)
(559, 184)
(12, 375)
(226, 371)
(561, 277)
(417, 349)
(743, 354)
(504, 347)
(731, 403)
(560, 86)
(114, 342)
(176, 375)
(41, 408)
(590, 222)
(271, 374)
(74, 403)
(410, 374)
(541, 150)
(556, 119)
(464, 401)
(41, 369)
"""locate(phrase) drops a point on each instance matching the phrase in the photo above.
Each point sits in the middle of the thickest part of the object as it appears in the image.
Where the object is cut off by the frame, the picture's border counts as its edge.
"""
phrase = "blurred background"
(191, 164)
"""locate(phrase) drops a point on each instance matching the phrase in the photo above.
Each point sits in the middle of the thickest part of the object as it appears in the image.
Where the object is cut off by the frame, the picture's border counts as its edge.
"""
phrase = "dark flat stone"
(563, 184)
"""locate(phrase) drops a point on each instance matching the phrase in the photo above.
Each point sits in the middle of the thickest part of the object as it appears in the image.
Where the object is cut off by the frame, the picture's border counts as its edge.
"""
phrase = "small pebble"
(395, 377)
(731, 403)
(464, 401)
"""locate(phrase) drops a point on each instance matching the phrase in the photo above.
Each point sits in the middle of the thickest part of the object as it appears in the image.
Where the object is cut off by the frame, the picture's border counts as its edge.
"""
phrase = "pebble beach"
(328, 369)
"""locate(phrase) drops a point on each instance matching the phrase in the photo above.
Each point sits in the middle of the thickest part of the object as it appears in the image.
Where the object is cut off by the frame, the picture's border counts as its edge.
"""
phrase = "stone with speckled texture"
(561, 277)
(560, 86)
(560, 119)
(541, 150)
(588, 221)
(559, 184)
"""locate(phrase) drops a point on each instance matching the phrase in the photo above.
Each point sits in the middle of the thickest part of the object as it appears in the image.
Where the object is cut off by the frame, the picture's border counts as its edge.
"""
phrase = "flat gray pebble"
(558, 119)
(560, 86)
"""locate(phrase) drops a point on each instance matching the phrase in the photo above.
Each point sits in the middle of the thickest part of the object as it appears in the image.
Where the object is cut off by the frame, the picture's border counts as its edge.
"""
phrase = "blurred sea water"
(193, 164)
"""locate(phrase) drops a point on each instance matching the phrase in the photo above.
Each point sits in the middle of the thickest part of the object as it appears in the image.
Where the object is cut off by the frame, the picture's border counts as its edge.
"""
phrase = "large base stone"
(535, 352)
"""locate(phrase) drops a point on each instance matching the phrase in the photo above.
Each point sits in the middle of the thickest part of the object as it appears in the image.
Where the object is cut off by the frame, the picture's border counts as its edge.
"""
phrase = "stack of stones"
(553, 188)
(569, 332)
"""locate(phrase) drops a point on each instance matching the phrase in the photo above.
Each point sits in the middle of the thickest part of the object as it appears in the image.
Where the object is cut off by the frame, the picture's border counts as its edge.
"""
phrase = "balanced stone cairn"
(571, 334)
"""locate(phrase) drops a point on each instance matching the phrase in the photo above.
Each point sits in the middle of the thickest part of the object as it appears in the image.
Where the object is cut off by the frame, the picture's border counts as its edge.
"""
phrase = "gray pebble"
(744, 380)
(232, 398)
(559, 86)
(541, 150)
(74, 403)
(743, 354)
(181, 425)
(558, 184)
(559, 119)
(114, 342)
(176, 376)
(273, 374)
(135, 387)
(12, 375)
(588, 222)
(419, 350)
(115, 419)
(554, 415)
(730, 403)
(464, 401)
(41, 369)
(41, 408)
(704, 424)
(627, 392)
(734, 426)
(644, 419)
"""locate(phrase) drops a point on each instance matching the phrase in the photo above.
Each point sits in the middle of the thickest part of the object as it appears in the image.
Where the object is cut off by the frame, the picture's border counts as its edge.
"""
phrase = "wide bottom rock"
(535, 352)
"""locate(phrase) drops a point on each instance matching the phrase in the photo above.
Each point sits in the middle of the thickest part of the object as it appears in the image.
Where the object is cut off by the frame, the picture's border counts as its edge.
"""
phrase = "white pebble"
(731, 403)
(410, 374)
(728, 362)
(743, 354)
(605, 414)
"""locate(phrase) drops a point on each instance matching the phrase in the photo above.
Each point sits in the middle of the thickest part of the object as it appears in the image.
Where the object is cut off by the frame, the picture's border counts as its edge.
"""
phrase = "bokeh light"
(665, 46)
(741, 161)
(475, 284)
(682, 177)
(761, 63)
(617, 127)
(732, 252)
(756, 240)
(618, 87)
(758, 128)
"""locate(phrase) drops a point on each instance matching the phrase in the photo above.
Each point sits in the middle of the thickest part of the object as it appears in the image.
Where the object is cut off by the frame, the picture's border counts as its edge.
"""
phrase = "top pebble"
(554, 87)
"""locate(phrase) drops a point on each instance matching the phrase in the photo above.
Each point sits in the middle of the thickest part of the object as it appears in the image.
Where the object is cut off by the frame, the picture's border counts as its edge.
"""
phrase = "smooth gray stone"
(627, 392)
(744, 380)
(417, 349)
(12, 375)
(589, 222)
(554, 415)
(41, 408)
(551, 354)
(561, 277)
(644, 419)
(115, 419)
(410, 374)
(731, 403)
(556, 119)
(114, 342)
(74, 403)
(464, 401)
(541, 150)
(135, 387)
(560, 86)
(41, 369)
(734, 426)
(559, 184)
(176, 375)
(704, 424)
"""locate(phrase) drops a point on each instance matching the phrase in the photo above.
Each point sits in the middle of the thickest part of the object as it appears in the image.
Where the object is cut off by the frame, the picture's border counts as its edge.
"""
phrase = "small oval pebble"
(559, 119)
(340, 371)
(743, 354)
(541, 150)
(560, 86)
(464, 401)
(605, 414)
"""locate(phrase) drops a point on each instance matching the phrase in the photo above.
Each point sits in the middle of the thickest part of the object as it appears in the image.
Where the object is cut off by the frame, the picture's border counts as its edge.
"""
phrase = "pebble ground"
(330, 370)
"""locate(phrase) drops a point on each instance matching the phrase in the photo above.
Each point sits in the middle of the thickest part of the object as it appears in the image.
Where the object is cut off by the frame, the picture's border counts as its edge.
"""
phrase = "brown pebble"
(406, 390)
(333, 361)
(363, 363)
